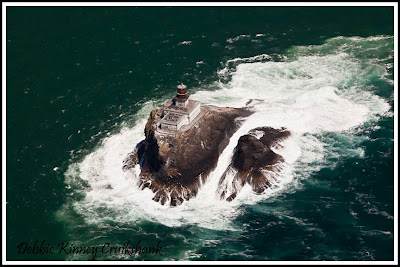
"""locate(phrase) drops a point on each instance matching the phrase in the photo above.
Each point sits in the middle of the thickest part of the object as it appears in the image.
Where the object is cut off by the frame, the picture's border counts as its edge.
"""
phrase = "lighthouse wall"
(181, 123)
(192, 115)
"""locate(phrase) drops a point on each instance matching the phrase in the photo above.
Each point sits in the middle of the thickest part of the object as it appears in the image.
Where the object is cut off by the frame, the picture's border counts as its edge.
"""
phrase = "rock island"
(183, 141)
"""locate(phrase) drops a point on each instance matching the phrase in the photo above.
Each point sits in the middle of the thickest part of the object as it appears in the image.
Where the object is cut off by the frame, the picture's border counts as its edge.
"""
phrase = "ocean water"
(81, 83)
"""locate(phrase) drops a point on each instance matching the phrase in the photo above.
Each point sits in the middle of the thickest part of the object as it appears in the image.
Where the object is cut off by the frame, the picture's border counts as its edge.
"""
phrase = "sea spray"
(316, 92)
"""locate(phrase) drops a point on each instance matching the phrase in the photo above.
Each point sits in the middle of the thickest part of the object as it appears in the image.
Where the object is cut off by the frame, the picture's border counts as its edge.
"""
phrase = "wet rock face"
(172, 166)
(252, 153)
(253, 162)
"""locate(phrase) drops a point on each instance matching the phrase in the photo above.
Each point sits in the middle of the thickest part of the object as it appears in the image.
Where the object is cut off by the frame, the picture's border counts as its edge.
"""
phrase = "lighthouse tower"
(181, 98)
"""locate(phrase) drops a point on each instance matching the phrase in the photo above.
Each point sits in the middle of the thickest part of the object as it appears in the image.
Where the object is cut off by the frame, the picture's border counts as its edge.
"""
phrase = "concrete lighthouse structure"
(178, 111)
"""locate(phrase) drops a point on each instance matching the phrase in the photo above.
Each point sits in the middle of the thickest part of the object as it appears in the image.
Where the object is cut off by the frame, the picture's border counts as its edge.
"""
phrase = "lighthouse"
(181, 98)
(179, 111)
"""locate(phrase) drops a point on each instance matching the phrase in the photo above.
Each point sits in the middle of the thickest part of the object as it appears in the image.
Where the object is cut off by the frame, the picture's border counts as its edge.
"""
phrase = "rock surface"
(174, 164)
(253, 162)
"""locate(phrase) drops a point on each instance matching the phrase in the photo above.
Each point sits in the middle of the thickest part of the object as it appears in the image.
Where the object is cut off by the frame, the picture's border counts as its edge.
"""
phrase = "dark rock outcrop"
(174, 164)
(253, 162)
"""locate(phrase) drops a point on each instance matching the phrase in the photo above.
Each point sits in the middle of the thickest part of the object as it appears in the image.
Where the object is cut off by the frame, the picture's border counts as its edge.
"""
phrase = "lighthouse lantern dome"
(181, 98)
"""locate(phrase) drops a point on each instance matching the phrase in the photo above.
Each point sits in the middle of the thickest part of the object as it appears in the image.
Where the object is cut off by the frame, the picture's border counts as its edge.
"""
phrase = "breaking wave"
(312, 91)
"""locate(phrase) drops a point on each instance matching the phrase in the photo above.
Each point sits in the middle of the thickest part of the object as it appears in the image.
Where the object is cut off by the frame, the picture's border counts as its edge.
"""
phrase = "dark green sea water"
(82, 80)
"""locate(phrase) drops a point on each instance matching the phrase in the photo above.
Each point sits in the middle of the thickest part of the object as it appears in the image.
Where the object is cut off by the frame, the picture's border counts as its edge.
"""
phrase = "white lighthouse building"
(179, 111)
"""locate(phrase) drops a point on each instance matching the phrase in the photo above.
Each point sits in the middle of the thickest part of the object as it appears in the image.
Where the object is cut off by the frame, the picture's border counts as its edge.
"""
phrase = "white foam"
(185, 43)
(257, 134)
(309, 95)
(237, 38)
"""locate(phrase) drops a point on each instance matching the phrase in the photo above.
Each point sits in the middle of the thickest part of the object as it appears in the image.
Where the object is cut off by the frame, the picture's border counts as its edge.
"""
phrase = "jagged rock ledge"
(174, 164)
(253, 162)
